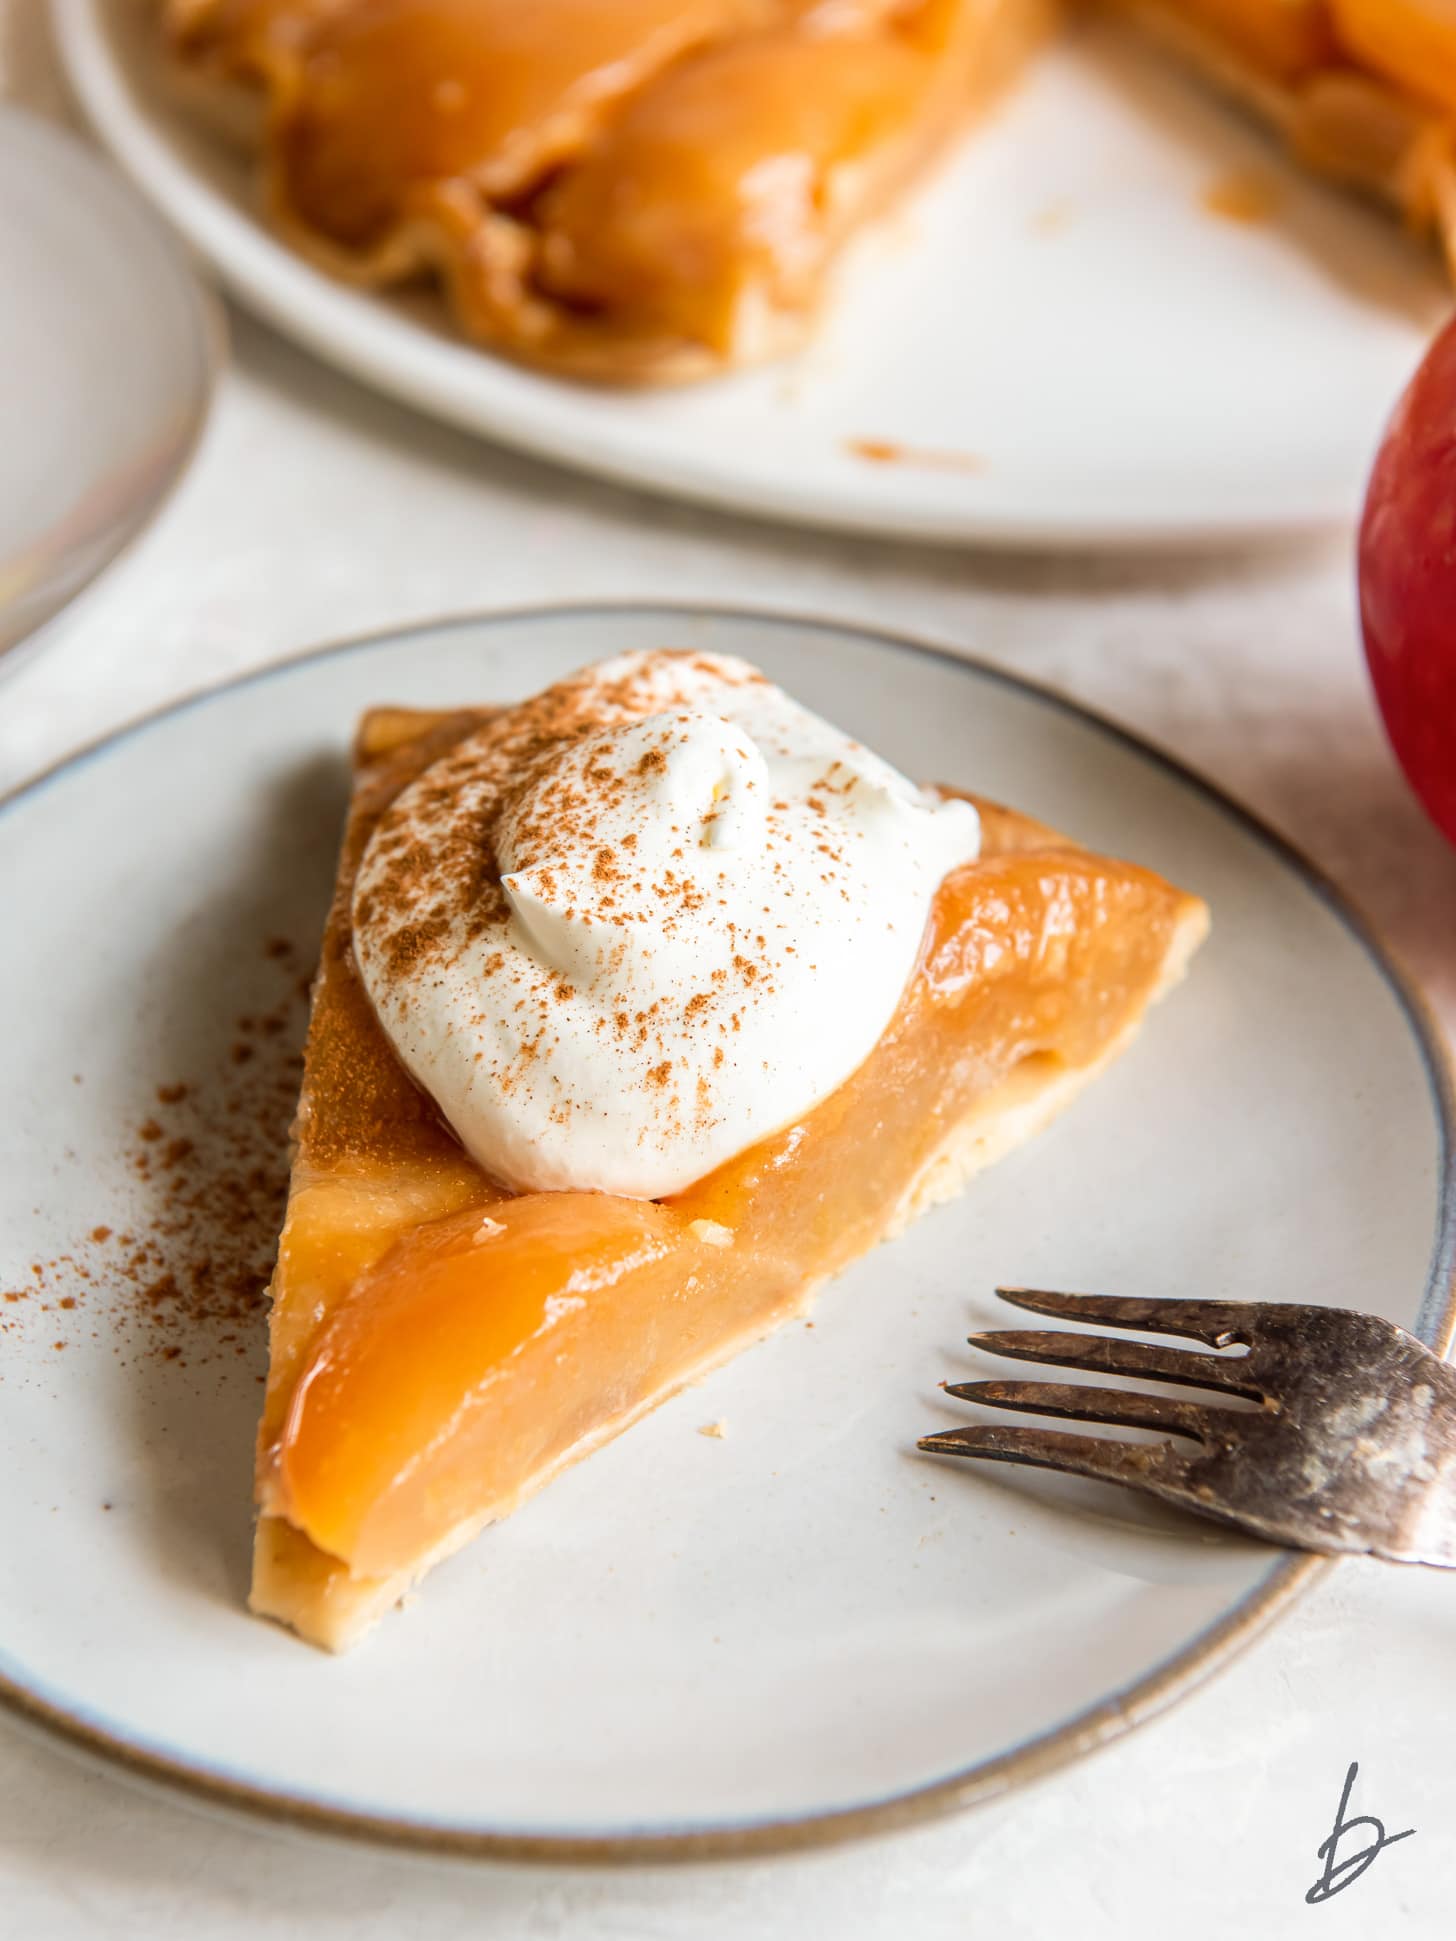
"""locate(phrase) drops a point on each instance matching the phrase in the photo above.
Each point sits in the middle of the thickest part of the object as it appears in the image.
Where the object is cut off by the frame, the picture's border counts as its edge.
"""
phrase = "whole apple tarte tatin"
(644, 1008)
(655, 190)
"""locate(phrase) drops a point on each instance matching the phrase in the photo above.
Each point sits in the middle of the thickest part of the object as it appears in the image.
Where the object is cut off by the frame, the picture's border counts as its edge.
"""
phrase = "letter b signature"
(1342, 1873)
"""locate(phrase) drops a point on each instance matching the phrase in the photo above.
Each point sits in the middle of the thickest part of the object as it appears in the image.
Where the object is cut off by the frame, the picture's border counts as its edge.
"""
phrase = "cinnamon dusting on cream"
(568, 919)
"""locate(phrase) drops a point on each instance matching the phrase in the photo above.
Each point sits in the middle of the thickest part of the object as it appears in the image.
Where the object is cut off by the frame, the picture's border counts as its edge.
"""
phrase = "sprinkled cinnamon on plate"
(184, 1280)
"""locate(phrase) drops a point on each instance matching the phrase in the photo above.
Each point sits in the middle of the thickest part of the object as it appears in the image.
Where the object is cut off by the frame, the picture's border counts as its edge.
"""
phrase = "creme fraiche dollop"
(631, 927)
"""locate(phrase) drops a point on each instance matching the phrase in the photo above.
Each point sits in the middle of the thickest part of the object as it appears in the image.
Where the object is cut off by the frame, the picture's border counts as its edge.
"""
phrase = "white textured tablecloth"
(315, 510)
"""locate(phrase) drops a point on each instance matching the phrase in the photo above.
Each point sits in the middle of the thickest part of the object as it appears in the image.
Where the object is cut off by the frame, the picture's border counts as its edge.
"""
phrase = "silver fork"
(1353, 1446)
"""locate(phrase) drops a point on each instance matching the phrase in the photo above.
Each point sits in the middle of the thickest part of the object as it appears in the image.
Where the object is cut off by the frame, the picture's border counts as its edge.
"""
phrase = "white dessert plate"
(1057, 339)
(108, 350)
(690, 1644)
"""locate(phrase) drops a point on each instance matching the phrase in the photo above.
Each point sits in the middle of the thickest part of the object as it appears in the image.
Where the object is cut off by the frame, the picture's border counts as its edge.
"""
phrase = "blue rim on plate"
(1286, 1579)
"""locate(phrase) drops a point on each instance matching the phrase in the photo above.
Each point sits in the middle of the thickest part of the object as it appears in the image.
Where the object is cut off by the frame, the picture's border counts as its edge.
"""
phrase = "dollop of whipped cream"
(631, 927)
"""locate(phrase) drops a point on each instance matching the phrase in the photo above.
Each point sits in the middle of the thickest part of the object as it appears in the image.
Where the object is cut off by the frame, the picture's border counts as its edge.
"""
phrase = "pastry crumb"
(1249, 196)
(1052, 219)
(712, 1233)
(715, 1429)
(887, 451)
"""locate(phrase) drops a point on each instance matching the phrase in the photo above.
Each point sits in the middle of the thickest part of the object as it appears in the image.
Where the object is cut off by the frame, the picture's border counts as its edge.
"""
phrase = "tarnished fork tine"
(1105, 1355)
(1217, 1324)
(1105, 1460)
(1081, 1402)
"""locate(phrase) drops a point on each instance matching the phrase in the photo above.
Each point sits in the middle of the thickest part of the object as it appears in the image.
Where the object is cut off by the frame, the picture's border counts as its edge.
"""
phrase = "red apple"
(1408, 580)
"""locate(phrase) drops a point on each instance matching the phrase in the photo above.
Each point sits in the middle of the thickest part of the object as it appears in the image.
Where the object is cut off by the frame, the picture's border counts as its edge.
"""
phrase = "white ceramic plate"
(686, 1644)
(1058, 307)
(108, 349)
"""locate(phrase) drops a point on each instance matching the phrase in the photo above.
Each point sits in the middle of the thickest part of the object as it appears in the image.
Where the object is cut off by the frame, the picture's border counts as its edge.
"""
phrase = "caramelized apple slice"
(342, 1220)
(731, 179)
(477, 1350)
(1411, 42)
(398, 95)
